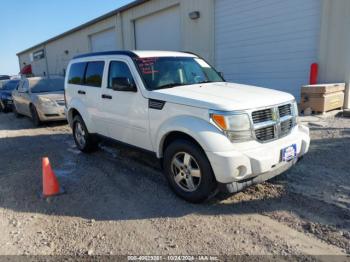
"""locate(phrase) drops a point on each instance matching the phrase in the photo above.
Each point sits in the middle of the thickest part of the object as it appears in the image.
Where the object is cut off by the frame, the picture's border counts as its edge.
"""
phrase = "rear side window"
(76, 74)
(94, 73)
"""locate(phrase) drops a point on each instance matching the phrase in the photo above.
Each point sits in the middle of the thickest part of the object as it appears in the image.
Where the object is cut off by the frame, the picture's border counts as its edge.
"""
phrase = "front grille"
(273, 123)
(265, 134)
(286, 126)
(262, 116)
(285, 110)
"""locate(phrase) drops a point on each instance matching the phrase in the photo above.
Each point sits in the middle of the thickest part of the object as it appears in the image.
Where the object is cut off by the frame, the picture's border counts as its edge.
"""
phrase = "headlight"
(235, 126)
(46, 101)
(296, 111)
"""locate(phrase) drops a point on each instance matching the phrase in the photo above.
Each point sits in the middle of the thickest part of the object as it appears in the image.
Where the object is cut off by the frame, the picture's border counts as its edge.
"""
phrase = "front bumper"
(239, 186)
(51, 113)
(7, 104)
(251, 159)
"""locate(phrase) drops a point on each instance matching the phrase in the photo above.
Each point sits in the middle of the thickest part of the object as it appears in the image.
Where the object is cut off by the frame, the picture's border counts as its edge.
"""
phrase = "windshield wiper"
(171, 85)
(180, 84)
(208, 81)
(204, 82)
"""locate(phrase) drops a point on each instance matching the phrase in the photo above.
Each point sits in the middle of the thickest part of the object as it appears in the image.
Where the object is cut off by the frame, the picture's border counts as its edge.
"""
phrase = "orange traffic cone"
(51, 186)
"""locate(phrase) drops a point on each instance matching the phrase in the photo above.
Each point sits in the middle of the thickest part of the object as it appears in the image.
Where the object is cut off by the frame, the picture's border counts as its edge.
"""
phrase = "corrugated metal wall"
(194, 35)
(268, 43)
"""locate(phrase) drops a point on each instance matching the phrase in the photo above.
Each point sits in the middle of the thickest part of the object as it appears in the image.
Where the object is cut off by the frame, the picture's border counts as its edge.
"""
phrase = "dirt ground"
(118, 202)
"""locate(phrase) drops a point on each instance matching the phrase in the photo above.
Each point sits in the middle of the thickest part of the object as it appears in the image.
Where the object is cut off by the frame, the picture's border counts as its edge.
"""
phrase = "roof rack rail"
(126, 53)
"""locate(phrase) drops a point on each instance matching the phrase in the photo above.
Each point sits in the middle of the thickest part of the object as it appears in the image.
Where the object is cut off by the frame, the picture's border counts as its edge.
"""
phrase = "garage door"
(104, 41)
(268, 43)
(159, 31)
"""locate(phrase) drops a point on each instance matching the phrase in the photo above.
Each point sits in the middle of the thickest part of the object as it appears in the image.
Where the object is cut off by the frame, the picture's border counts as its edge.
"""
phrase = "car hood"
(222, 96)
(51, 95)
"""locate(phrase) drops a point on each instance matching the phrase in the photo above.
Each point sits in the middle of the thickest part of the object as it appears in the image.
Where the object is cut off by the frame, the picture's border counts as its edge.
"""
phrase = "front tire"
(83, 139)
(189, 172)
(35, 116)
(17, 115)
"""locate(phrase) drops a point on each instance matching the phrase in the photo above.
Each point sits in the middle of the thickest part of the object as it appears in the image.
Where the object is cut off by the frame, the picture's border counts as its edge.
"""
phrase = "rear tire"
(35, 116)
(83, 139)
(189, 172)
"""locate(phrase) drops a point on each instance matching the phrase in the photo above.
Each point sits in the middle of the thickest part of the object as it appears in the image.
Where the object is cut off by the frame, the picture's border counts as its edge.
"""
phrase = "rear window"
(94, 73)
(46, 85)
(76, 74)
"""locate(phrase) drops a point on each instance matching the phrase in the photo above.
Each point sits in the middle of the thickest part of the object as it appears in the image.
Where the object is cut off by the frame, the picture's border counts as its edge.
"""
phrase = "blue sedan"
(6, 101)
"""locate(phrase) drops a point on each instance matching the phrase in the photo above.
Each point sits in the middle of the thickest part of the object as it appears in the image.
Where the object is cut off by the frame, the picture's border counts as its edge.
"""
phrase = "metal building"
(269, 43)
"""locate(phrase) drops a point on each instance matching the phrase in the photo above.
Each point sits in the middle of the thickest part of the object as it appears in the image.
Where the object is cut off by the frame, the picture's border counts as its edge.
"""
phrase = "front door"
(124, 112)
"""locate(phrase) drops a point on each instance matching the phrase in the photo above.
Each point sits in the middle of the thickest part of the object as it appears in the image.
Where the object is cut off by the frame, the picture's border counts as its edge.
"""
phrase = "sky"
(26, 23)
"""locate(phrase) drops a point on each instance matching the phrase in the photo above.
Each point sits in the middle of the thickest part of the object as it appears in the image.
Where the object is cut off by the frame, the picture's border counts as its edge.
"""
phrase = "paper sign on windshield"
(146, 65)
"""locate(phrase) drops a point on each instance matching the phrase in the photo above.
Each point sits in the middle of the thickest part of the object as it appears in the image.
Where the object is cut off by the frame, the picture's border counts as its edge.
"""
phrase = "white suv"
(209, 134)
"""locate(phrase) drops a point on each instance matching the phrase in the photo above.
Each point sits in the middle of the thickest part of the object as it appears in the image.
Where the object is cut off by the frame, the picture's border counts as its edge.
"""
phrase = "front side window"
(20, 86)
(94, 73)
(117, 70)
(167, 72)
(23, 86)
(76, 74)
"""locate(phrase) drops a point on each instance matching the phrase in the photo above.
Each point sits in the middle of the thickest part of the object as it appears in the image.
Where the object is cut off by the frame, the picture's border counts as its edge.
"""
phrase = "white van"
(209, 134)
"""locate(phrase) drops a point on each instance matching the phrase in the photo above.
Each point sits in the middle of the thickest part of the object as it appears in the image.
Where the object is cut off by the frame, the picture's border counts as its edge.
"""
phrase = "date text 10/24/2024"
(173, 258)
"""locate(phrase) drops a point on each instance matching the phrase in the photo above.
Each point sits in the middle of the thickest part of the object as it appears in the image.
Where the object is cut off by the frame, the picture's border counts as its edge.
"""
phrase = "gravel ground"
(118, 202)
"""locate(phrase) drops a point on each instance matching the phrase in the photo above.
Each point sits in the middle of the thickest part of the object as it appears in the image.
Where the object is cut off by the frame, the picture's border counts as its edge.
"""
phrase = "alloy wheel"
(186, 171)
(80, 134)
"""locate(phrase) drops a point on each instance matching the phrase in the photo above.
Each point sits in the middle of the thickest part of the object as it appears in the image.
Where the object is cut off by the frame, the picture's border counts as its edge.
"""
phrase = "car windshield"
(11, 85)
(46, 85)
(167, 72)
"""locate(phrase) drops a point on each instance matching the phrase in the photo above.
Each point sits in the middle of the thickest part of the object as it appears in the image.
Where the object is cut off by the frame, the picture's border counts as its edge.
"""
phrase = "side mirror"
(123, 84)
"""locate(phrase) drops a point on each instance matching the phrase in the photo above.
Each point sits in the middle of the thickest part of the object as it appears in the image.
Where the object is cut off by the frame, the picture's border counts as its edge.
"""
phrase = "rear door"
(16, 98)
(93, 85)
(20, 98)
(84, 85)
